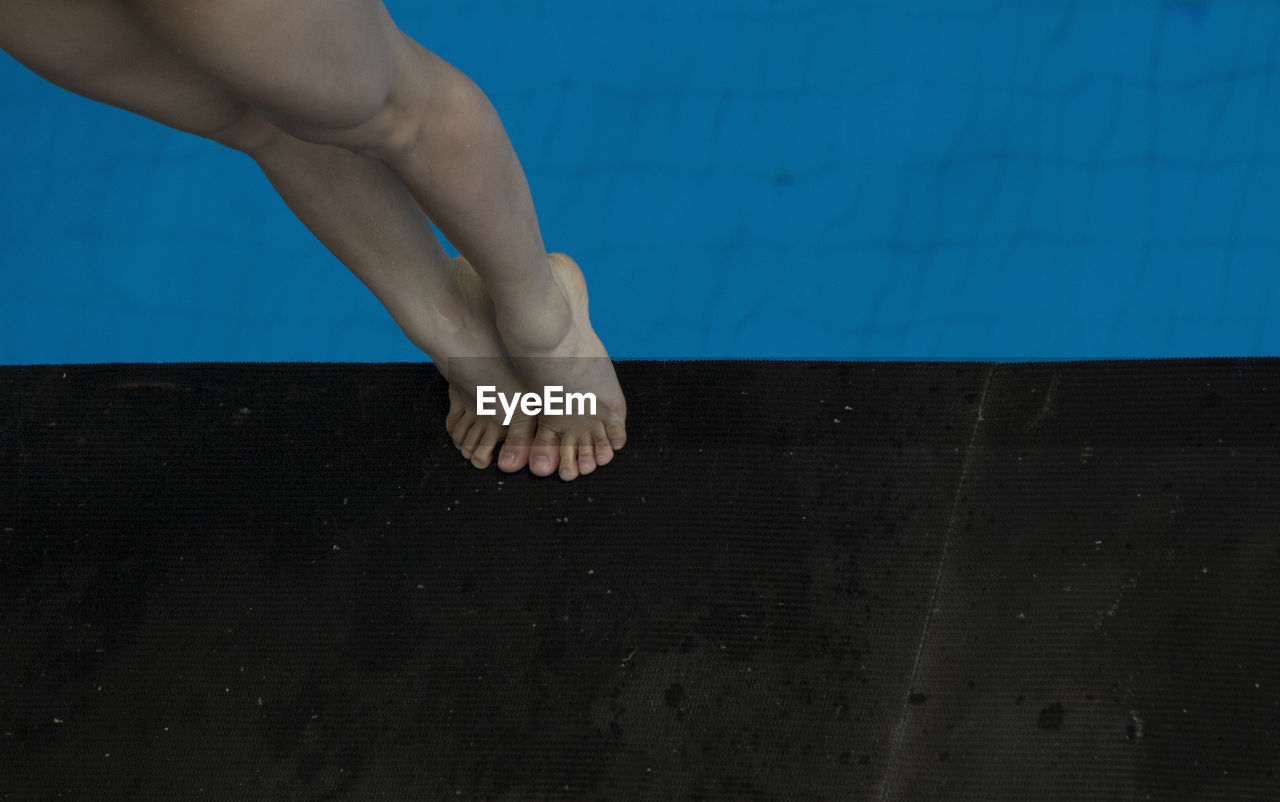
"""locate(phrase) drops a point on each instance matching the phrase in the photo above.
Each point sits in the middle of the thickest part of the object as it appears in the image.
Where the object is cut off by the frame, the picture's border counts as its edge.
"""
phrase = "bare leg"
(340, 72)
(355, 205)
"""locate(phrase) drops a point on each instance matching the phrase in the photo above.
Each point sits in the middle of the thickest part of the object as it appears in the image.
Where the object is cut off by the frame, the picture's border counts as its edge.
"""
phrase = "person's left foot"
(477, 436)
(574, 443)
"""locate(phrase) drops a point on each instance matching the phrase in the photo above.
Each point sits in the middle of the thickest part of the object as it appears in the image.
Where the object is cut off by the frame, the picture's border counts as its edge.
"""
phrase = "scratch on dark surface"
(1046, 409)
(1128, 585)
(899, 728)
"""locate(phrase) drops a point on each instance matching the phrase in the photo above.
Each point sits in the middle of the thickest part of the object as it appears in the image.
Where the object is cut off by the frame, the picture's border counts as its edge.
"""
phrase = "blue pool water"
(740, 178)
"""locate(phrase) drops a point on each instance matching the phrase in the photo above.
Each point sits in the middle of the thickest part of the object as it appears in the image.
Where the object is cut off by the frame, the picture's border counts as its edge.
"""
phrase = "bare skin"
(364, 134)
(579, 362)
(476, 436)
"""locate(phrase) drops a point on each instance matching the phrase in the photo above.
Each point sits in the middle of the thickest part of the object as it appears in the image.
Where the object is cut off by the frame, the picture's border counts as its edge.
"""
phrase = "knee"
(388, 130)
(245, 129)
(441, 109)
(383, 114)
(385, 129)
(389, 135)
(377, 126)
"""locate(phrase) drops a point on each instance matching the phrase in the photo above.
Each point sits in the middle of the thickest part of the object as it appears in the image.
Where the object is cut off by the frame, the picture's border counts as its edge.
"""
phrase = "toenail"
(541, 463)
(509, 459)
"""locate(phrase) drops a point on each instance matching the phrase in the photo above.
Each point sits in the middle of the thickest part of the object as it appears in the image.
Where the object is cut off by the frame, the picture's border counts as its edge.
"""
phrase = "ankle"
(535, 324)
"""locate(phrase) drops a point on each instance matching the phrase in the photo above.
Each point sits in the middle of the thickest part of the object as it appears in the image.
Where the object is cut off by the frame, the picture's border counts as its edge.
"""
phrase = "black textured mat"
(798, 582)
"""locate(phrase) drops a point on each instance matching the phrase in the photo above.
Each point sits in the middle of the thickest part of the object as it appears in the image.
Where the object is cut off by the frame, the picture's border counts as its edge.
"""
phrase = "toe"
(544, 456)
(568, 459)
(472, 438)
(617, 434)
(603, 451)
(489, 439)
(586, 453)
(458, 428)
(457, 410)
(515, 451)
(455, 415)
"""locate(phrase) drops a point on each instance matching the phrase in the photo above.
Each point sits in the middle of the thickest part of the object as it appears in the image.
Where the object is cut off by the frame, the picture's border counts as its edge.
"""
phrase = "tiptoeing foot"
(572, 444)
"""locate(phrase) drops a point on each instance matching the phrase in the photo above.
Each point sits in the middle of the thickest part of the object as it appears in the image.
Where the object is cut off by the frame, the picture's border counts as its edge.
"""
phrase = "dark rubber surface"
(799, 581)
